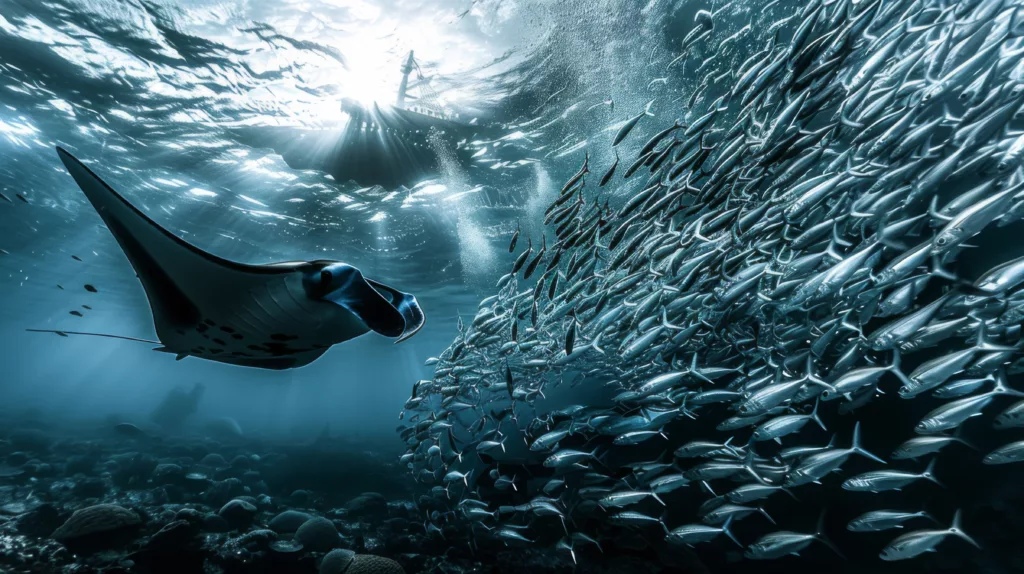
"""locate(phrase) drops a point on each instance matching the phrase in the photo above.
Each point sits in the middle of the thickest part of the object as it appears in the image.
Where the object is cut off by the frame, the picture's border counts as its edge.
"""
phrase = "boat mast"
(406, 70)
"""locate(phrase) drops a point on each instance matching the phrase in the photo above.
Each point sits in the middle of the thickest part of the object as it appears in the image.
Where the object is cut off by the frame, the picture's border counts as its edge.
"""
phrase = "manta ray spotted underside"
(276, 316)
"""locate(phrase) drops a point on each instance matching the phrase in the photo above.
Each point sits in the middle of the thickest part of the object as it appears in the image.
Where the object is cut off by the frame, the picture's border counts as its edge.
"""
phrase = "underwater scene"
(511, 286)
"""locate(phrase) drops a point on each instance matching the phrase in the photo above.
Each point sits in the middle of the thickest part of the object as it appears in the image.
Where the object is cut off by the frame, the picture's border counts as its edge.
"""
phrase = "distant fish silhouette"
(276, 316)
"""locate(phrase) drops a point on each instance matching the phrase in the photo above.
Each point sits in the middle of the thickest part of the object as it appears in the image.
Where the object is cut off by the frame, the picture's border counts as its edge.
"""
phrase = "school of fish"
(791, 256)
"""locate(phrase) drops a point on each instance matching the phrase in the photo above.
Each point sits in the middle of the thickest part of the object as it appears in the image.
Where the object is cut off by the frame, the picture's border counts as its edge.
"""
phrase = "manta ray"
(274, 316)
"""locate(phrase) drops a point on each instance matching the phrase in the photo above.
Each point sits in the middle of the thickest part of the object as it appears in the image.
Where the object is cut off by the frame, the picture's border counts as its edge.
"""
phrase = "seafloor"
(165, 505)
(149, 504)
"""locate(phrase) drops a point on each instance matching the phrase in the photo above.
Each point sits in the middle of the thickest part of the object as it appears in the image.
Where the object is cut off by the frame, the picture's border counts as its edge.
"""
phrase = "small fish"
(532, 266)
(579, 175)
(90, 288)
(783, 543)
(798, 235)
(570, 337)
(925, 445)
(456, 476)
(882, 480)
(515, 239)
(779, 427)
(626, 498)
(523, 257)
(879, 520)
(658, 137)
(915, 543)
(1013, 452)
(628, 127)
(633, 519)
(611, 171)
(691, 534)
(568, 457)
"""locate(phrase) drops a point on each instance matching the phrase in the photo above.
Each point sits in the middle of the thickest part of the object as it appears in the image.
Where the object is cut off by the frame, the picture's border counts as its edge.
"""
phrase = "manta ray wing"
(173, 272)
(265, 316)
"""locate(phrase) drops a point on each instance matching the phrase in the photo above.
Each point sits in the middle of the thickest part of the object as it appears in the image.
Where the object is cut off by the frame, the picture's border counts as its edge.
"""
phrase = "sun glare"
(376, 50)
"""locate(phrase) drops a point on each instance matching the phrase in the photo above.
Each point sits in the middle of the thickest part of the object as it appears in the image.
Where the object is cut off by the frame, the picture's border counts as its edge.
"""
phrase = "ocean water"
(255, 131)
(154, 96)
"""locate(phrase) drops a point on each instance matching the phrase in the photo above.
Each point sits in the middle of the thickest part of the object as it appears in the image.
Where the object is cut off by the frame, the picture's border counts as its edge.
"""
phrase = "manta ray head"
(383, 309)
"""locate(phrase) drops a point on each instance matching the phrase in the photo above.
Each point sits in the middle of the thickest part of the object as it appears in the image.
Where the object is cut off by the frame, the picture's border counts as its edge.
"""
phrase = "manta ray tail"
(66, 333)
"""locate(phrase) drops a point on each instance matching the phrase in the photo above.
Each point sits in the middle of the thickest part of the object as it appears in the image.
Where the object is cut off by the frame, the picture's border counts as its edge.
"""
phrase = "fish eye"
(325, 277)
(941, 241)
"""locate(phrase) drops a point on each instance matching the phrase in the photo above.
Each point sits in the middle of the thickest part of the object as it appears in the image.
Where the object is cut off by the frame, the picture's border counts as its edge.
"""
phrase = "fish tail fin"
(895, 368)
(957, 435)
(855, 446)
(831, 251)
(956, 529)
(939, 271)
(929, 473)
(748, 464)
(961, 285)
(665, 323)
(819, 534)
(815, 417)
(933, 212)
(839, 240)
(661, 521)
(728, 532)
(810, 377)
(766, 515)
(846, 121)
(1001, 387)
(983, 343)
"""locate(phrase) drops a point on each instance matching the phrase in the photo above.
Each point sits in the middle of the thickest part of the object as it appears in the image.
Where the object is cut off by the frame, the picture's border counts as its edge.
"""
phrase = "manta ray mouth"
(383, 309)
(405, 304)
